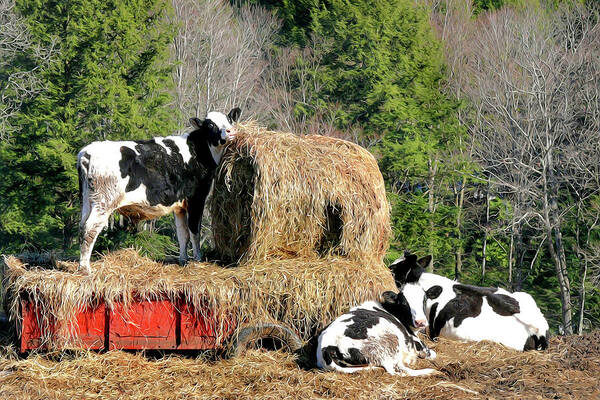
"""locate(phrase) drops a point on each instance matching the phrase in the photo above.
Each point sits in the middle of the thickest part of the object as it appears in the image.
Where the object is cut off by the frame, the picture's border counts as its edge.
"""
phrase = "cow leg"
(195, 211)
(390, 366)
(183, 234)
(84, 249)
(89, 230)
(405, 371)
(349, 369)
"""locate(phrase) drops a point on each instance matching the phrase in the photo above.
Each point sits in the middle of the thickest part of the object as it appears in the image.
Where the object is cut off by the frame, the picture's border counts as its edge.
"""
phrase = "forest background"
(484, 117)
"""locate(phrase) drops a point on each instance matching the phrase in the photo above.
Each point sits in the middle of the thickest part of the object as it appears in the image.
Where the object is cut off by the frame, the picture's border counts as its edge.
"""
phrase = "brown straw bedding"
(568, 370)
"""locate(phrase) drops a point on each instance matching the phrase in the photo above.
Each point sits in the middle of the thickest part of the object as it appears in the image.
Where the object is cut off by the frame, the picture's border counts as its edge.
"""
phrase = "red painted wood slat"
(145, 324)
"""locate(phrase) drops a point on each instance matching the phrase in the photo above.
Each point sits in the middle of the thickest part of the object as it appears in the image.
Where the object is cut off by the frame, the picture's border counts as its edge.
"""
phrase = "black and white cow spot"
(471, 313)
(369, 336)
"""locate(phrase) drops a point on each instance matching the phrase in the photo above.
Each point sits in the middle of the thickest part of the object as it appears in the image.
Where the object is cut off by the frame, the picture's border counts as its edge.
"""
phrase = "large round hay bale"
(279, 195)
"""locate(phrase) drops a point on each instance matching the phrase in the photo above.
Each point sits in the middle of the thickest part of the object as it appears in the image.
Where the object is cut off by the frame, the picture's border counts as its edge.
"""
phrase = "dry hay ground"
(305, 294)
(305, 196)
(568, 370)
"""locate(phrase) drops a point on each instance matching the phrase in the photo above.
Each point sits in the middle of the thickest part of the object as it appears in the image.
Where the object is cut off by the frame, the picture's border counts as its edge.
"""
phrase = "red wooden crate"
(144, 324)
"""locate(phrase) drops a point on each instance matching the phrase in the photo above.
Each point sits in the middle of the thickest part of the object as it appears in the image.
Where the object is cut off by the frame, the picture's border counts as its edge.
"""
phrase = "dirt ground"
(569, 369)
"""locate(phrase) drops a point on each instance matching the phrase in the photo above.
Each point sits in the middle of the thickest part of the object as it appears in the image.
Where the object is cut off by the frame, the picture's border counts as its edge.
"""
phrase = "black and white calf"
(146, 179)
(374, 335)
(471, 313)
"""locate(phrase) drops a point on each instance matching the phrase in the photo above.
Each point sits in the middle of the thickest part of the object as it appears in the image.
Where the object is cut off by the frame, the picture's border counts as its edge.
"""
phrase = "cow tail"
(83, 165)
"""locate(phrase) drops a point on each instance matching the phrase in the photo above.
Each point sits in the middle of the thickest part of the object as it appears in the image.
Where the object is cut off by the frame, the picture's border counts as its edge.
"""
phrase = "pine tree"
(108, 79)
(383, 70)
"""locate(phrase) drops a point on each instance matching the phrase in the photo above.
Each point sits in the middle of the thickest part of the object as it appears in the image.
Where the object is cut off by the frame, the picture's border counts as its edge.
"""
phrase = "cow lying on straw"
(374, 335)
(471, 313)
(146, 179)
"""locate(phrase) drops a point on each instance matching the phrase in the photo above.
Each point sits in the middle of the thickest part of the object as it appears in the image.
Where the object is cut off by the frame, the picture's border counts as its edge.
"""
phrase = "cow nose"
(421, 323)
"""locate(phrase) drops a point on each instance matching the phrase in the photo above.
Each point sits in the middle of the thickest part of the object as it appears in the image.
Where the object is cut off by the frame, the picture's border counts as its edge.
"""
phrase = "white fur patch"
(385, 345)
(511, 331)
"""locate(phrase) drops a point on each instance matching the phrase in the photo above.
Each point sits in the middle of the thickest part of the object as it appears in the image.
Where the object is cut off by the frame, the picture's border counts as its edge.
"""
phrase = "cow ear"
(196, 123)
(234, 114)
(389, 297)
(424, 262)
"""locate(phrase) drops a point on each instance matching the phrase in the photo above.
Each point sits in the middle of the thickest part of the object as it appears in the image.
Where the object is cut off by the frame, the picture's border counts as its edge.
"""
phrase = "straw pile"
(304, 294)
(471, 371)
(279, 195)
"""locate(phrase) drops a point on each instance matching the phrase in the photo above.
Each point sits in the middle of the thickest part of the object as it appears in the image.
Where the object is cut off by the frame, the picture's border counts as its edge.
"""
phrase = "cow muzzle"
(421, 324)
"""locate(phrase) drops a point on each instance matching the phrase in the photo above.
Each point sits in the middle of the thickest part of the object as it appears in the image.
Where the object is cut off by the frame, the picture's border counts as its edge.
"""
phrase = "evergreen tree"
(109, 79)
(385, 69)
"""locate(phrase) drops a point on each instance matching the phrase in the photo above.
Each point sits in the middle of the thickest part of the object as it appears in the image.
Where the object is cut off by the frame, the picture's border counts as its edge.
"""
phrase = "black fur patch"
(410, 269)
(461, 307)
(542, 343)
(330, 353)
(356, 358)
(397, 305)
(432, 313)
(530, 343)
(166, 177)
(234, 114)
(362, 319)
(333, 354)
(536, 343)
(434, 292)
(501, 304)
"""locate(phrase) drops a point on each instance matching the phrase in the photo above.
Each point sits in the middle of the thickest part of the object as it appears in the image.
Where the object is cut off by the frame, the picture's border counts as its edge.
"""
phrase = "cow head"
(408, 269)
(410, 315)
(217, 128)
(399, 306)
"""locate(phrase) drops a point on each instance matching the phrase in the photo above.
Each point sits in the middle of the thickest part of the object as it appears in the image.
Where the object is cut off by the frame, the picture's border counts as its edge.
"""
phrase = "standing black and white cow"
(374, 335)
(471, 313)
(146, 179)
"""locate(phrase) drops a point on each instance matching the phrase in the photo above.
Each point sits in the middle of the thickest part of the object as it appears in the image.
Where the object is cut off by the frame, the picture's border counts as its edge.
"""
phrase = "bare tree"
(533, 80)
(19, 84)
(220, 53)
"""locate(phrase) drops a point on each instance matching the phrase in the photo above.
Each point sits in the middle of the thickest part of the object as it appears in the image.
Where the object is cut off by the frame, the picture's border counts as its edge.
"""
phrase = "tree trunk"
(431, 208)
(563, 280)
(459, 247)
(555, 242)
(510, 260)
(582, 297)
(485, 232)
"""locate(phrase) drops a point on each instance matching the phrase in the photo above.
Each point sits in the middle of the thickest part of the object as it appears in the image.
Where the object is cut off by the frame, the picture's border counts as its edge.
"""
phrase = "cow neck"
(428, 280)
(200, 147)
